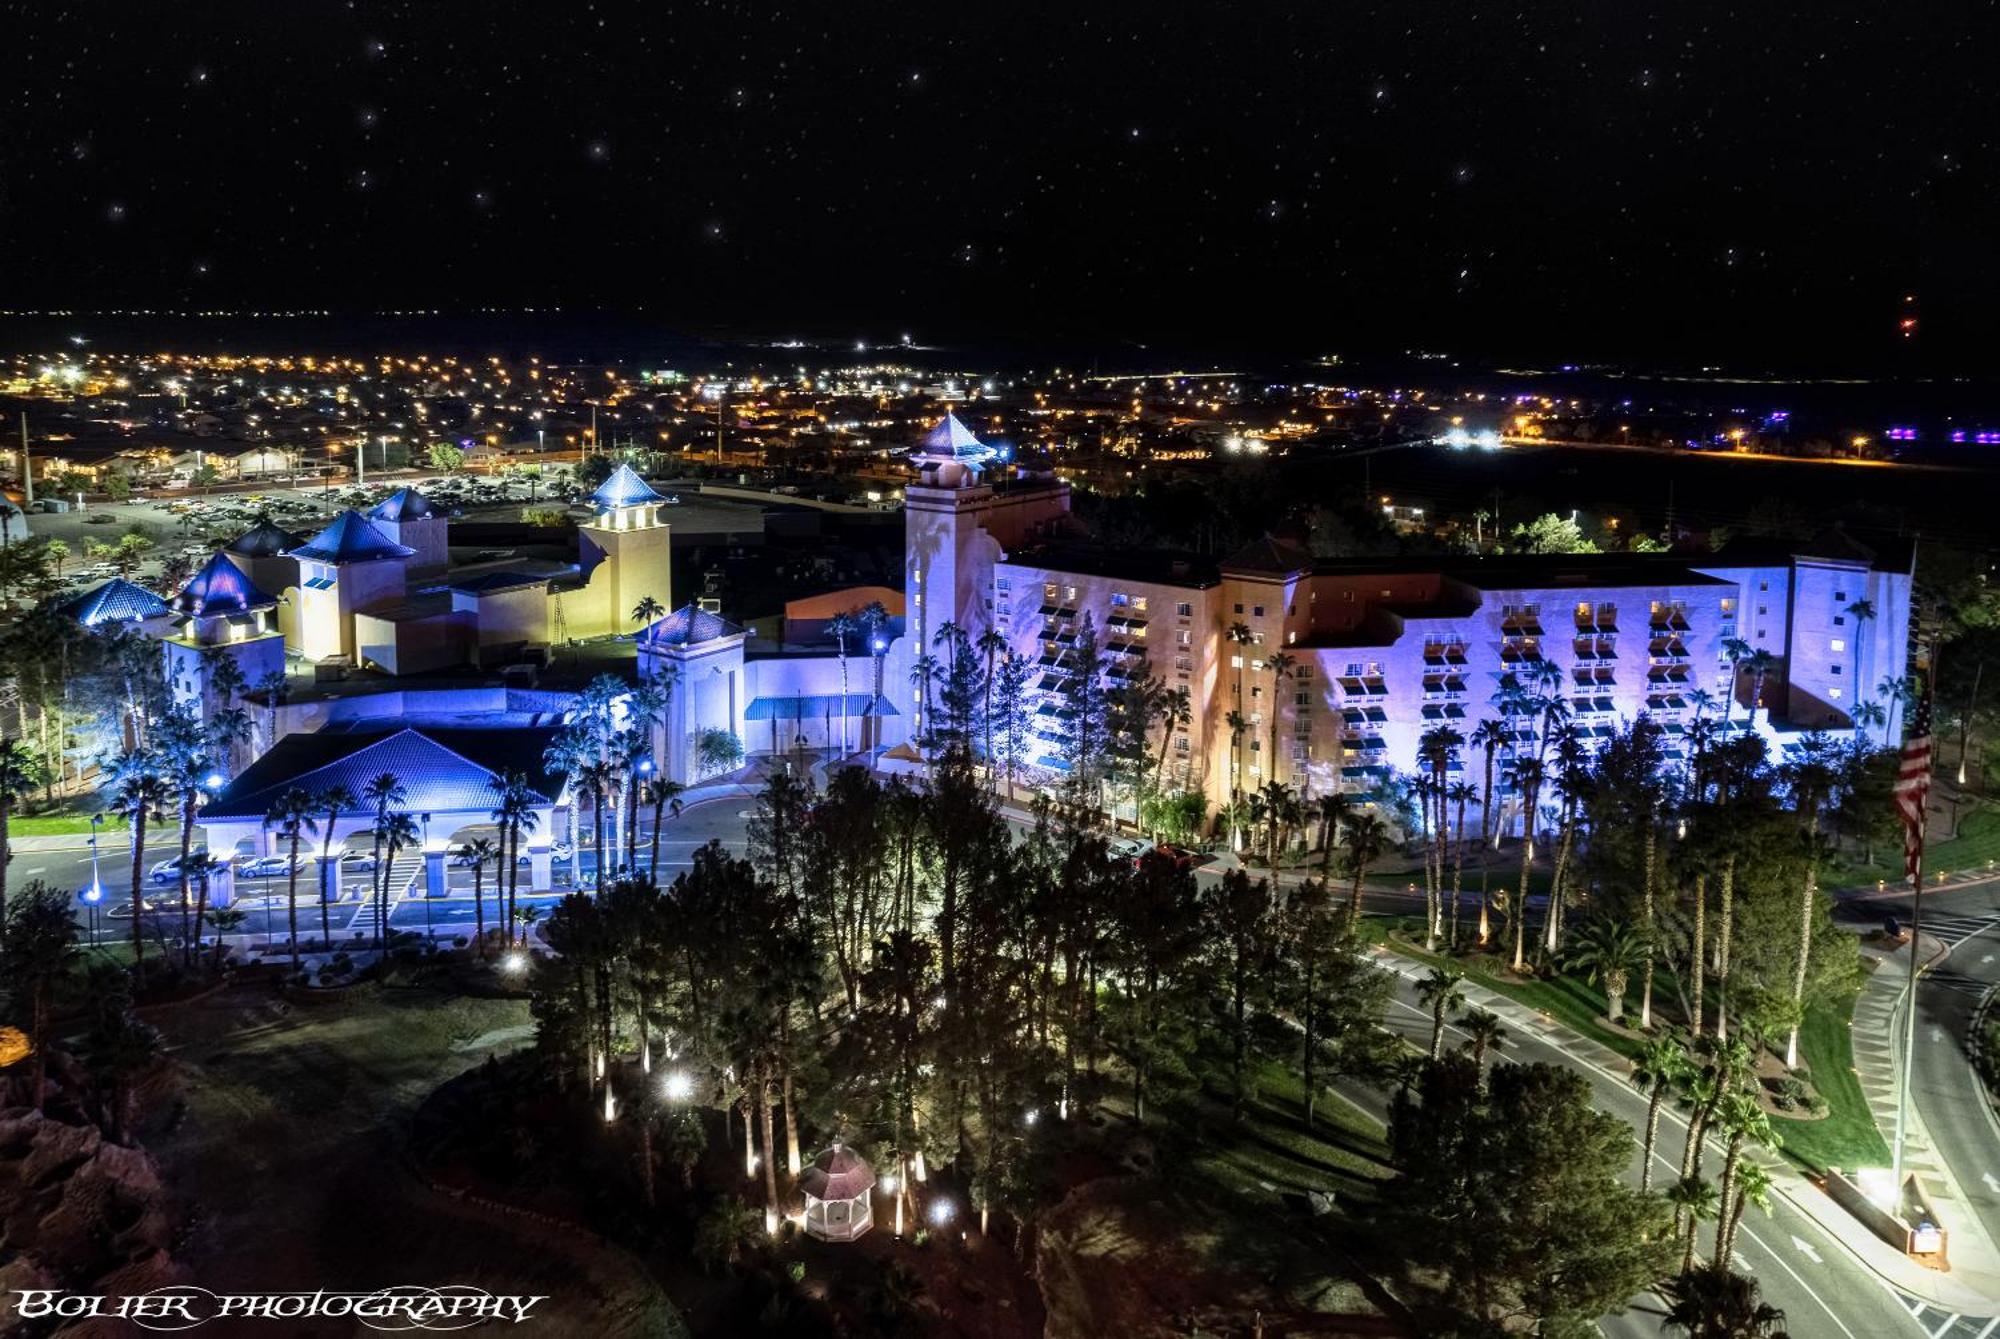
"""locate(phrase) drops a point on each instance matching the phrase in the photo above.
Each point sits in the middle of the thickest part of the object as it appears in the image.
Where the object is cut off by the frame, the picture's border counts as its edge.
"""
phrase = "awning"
(817, 706)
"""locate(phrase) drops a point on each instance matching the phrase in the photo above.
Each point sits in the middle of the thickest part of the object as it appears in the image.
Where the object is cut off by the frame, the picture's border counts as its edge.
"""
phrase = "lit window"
(1833, 693)
(1838, 645)
(1236, 662)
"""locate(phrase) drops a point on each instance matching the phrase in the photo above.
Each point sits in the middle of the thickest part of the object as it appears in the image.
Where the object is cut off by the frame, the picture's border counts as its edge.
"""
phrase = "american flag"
(1913, 784)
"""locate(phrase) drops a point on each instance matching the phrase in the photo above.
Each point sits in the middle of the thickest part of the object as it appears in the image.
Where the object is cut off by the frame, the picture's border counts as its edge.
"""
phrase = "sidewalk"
(1878, 1019)
(1972, 1288)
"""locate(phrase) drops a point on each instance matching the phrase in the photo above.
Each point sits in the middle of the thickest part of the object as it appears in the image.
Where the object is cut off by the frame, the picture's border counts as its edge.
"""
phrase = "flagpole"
(1916, 932)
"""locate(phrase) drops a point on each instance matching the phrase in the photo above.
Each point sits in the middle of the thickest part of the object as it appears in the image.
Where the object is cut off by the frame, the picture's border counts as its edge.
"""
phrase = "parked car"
(266, 866)
(362, 860)
(1179, 857)
(1129, 848)
(169, 870)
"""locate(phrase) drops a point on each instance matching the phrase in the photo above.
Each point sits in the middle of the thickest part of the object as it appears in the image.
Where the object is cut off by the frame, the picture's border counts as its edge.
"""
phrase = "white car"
(1129, 848)
(266, 866)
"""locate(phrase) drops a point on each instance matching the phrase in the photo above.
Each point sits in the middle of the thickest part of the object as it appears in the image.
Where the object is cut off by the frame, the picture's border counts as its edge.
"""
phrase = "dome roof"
(625, 489)
(219, 588)
(838, 1174)
(351, 539)
(262, 540)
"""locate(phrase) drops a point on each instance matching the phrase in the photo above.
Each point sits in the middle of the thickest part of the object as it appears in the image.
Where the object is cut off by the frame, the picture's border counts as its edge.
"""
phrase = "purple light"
(1902, 434)
(1958, 436)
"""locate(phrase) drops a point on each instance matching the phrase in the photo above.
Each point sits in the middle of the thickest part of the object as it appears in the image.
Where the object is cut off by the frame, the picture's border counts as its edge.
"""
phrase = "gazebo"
(839, 1187)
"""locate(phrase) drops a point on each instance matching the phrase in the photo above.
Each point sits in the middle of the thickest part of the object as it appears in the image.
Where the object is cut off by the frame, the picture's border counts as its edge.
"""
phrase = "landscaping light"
(941, 1213)
(887, 1184)
(1030, 1119)
(1879, 1185)
(678, 1087)
(514, 963)
(215, 781)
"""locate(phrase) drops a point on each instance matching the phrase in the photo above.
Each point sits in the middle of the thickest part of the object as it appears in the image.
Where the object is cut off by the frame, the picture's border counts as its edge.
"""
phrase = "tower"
(222, 614)
(348, 566)
(625, 550)
(413, 520)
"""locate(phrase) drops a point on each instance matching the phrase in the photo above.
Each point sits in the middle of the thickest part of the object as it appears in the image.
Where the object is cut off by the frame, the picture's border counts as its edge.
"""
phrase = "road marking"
(1938, 1333)
(1992, 1183)
(1989, 1328)
(39, 869)
(1805, 1249)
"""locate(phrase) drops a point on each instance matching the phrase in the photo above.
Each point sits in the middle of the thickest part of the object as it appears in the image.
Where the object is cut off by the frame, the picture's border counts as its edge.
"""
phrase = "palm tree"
(291, 813)
(35, 961)
(515, 813)
(1743, 1120)
(478, 853)
(1367, 837)
(1441, 990)
(989, 645)
(1735, 650)
(381, 791)
(840, 627)
(873, 620)
(334, 801)
(925, 671)
(1869, 714)
(1242, 637)
(1176, 709)
(646, 612)
(1759, 664)
(1281, 664)
(1694, 1201)
(397, 833)
(1238, 725)
(20, 772)
(1718, 1303)
(1661, 1067)
(1460, 793)
(1528, 780)
(1483, 1032)
(1753, 1186)
(1608, 953)
(138, 795)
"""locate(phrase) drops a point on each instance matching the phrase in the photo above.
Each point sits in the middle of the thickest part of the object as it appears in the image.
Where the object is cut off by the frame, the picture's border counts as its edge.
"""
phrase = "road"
(1824, 1291)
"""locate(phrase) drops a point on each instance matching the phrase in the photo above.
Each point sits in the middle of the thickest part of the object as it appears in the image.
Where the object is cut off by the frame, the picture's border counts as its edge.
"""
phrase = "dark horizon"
(1635, 186)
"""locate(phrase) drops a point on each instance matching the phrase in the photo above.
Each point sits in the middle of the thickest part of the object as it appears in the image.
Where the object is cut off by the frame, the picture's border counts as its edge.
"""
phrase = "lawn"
(54, 825)
(1976, 846)
(1846, 1136)
(1576, 1004)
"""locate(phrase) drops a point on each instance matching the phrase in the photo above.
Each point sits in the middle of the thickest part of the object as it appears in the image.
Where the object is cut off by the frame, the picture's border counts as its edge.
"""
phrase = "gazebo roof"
(838, 1174)
(262, 540)
(689, 625)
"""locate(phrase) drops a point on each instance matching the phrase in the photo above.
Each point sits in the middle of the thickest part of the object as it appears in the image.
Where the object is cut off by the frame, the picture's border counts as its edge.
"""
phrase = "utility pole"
(27, 470)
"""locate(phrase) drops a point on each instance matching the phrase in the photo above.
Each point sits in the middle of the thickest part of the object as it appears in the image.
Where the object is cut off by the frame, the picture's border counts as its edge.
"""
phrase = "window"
(1833, 693)
(1069, 594)
(917, 574)
(1761, 610)
(1728, 606)
(1119, 599)
(1185, 664)
(1236, 662)
(1256, 611)
(1302, 699)
(1837, 645)
(1239, 608)
(1184, 637)
(1840, 595)
(1049, 591)
(1763, 585)
(1002, 584)
(1303, 672)
(1836, 669)
(1839, 621)
(1184, 610)
(1180, 743)
(1354, 669)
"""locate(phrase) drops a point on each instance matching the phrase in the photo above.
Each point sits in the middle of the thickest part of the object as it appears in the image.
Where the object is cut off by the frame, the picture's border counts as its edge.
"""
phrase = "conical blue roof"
(350, 539)
(219, 588)
(262, 540)
(689, 625)
(624, 489)
(116, 601)
(405, 504)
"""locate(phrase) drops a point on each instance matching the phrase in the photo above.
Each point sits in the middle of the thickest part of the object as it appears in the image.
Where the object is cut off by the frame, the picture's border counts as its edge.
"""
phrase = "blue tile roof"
(443, 771)
(689, 625)
(219, 588)
(116, 601)
(405, 504)
(350, 539)
(624, 489)
(262, 540)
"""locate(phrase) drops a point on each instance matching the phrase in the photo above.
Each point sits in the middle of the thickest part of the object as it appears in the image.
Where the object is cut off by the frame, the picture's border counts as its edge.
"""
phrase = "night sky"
(1680, 180)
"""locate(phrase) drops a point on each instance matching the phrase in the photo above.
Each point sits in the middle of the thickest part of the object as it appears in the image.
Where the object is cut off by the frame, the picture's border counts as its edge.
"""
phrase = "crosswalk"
(1941, 1324)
